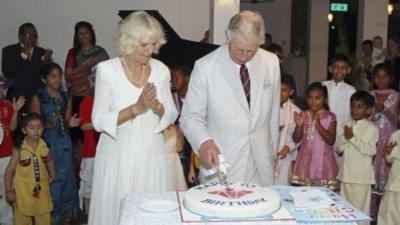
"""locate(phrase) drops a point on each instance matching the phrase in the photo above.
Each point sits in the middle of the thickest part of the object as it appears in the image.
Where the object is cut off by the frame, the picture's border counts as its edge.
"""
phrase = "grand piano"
(176, 51)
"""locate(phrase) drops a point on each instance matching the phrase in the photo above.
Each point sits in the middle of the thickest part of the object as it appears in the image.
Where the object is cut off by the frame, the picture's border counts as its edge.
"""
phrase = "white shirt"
(287, 125)
(358, 152)
(339, 99)
(25, 56)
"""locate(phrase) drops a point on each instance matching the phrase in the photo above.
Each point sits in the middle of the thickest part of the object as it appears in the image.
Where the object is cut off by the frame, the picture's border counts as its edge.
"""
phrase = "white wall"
(55, 20)
(222, 12)
(277, 18)
(317, 63)
(372, 21)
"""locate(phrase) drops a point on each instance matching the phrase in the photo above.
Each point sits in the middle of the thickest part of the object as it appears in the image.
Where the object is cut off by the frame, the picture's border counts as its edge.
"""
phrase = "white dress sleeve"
(165, 97)
(103, 118)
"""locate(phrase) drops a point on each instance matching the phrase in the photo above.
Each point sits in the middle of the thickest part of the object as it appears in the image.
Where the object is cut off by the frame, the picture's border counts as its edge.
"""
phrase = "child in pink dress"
(385, 117)
(315, 163)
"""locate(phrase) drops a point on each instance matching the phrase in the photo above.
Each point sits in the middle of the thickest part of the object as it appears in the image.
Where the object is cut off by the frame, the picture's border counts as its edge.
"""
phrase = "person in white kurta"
(284, 167)
(131, 116)
(389, 211)
(217, 117)
(287, 150)
(339, 92)
(357, 142)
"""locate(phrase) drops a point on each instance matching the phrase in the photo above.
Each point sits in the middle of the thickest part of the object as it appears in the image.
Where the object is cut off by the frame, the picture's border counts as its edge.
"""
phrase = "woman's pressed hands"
(146, 98)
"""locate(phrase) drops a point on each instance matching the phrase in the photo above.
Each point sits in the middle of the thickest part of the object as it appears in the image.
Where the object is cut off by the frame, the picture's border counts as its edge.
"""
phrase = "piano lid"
(176, 51)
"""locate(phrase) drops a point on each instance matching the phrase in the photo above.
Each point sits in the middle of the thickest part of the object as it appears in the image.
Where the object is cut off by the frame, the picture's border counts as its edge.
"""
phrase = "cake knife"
(223, 179)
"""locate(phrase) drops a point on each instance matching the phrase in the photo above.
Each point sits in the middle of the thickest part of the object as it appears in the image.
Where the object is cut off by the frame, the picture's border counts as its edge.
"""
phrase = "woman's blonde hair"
(137, 27)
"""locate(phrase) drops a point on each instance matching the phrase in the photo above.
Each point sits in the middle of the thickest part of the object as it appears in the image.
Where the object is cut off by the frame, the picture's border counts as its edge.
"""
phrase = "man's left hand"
(47, 55)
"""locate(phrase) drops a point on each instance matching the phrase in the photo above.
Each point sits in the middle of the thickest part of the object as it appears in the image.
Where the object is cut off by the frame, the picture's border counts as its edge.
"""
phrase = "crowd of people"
(131, 124)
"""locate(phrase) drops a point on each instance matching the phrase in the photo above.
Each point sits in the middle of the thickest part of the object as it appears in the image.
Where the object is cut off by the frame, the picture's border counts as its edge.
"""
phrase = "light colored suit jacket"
(216, 108)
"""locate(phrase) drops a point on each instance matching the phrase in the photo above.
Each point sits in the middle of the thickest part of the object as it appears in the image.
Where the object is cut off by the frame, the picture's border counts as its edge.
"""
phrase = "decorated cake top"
(214, 199)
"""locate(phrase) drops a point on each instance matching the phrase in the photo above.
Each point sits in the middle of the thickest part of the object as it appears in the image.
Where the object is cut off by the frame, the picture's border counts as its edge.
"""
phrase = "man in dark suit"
(22, 61)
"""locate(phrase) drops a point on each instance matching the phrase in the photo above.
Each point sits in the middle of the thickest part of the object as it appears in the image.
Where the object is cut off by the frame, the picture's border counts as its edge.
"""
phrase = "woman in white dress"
(132, 106)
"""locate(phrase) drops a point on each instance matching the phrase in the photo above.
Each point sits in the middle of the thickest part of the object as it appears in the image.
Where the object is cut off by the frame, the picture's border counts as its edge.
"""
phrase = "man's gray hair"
(247, 23)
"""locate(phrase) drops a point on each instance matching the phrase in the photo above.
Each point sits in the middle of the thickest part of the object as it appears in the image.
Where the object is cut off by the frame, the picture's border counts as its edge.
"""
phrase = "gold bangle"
(159, 107)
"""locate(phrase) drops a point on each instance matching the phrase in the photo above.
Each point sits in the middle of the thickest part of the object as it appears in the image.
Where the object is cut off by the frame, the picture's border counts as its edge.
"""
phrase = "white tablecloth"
(131, 214)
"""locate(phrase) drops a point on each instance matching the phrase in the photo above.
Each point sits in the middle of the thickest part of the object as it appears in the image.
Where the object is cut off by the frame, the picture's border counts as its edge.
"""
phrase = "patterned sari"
(79, 84)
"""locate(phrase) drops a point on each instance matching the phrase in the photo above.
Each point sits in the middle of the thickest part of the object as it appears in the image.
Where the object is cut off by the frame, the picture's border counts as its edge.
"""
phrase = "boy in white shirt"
(357, 142)
(287, 148)
(339, 92)
(389, 211)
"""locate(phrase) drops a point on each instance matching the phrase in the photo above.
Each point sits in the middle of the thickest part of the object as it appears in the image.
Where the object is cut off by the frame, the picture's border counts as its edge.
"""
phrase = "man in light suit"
(225, 113)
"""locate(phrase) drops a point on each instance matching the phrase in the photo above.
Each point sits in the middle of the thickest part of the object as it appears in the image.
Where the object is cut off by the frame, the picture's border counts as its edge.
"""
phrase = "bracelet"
(159, 107)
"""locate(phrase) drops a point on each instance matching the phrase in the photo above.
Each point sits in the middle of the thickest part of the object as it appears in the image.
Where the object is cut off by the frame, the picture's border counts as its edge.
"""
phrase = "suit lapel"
(18, 47)
(231, 76)
(257, 80)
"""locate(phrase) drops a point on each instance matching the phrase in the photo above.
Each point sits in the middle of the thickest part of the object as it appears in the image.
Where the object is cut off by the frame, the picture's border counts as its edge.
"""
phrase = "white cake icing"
(242, 200)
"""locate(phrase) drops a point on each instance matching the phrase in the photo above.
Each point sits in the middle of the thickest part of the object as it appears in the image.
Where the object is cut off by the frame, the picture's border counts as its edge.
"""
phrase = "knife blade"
(223, 179)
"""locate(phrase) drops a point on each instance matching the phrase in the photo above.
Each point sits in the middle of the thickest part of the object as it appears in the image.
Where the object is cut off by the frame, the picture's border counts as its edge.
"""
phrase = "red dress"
(90, 137)
(6, 112)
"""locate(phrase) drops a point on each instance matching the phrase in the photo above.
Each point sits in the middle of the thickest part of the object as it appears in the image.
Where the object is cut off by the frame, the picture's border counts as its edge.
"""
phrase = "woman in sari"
(80, 63)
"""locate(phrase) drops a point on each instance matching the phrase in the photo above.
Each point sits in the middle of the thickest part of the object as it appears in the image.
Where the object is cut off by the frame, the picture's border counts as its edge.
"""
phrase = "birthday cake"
(240, 200)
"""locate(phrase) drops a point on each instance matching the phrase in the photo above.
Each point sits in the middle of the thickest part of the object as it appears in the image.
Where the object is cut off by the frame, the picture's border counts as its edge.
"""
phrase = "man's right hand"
(208, 153)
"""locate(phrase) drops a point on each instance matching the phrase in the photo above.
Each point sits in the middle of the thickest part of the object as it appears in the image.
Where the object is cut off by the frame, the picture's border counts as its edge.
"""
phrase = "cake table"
(132, 214)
